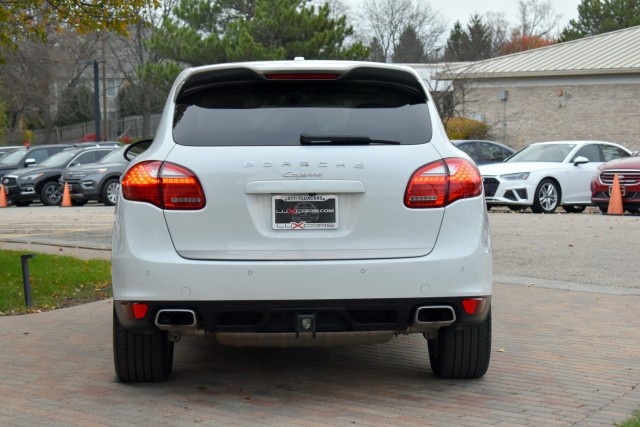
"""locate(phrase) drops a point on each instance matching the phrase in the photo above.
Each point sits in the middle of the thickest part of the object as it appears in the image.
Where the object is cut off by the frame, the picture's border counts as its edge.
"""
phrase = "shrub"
(461, 128)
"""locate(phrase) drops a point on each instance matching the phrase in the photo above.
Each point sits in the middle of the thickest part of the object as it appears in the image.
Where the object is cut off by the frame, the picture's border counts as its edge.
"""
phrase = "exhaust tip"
(435, 315)
(175, 318)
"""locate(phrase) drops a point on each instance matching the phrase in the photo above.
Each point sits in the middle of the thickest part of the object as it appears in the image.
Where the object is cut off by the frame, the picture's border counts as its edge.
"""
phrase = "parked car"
(101, 144)
(96, 181)
(628, 171)
(28, 156)
(483, 152)
(24, 186)
(4, 149)
(401, 244)
(546, 175)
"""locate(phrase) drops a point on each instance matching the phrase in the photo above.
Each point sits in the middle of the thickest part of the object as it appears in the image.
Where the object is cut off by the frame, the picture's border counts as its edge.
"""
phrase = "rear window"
(259, 113)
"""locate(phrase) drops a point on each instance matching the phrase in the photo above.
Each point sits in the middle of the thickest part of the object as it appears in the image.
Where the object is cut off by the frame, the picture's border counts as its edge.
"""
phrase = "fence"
(130, 126)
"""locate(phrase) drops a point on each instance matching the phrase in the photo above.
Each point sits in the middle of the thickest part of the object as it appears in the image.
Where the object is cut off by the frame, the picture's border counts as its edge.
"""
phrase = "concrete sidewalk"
(559, 358)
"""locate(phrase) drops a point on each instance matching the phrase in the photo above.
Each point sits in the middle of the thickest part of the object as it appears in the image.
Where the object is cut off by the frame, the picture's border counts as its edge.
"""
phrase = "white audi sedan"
(546, 175)
(301, 203)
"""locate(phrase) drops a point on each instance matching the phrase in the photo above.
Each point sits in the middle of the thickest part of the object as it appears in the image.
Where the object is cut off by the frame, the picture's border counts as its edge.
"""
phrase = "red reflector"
(441, 183)
(300, 76)
(473, 306)
(135, 310)
(139, 310)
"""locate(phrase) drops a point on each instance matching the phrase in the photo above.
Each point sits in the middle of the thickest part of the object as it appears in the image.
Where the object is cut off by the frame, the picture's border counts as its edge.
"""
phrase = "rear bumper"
(265, 297)
(277, 317)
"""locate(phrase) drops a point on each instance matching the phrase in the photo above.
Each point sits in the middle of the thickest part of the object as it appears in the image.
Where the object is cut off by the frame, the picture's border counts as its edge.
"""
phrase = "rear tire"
(461, 353)
(141, 357)
(603, 208)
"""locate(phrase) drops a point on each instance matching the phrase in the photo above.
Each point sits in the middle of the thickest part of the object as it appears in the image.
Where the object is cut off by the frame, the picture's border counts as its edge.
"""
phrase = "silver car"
(206, 243)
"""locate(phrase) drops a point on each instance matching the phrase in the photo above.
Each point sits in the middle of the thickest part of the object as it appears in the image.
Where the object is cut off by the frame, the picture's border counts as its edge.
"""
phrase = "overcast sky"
(454, 10)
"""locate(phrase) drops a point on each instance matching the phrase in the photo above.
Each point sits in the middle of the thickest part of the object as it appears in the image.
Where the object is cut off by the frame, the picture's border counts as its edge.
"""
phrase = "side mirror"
(136, 148)
(29, 162)
(580, 160)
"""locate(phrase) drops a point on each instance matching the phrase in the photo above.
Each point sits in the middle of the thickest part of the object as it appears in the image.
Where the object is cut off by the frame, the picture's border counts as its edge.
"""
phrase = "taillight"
(163, 184)
(302, 76)
(441, 183)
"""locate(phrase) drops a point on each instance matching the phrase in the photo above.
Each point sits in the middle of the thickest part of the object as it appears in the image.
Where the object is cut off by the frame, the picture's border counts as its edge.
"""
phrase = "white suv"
(208, 239)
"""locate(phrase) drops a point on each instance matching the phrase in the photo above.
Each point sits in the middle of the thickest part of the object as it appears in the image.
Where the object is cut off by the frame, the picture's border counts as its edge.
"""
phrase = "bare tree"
(386, 20)
(537, 18)
(34, 76)
(338, 7)
(499, 26)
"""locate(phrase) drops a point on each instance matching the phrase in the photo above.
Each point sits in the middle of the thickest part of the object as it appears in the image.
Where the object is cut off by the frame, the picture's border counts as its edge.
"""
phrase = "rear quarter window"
(265, 112)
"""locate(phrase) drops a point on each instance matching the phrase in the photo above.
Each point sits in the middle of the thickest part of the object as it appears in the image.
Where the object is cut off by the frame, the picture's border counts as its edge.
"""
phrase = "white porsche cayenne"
(545, 175)
(300, 203)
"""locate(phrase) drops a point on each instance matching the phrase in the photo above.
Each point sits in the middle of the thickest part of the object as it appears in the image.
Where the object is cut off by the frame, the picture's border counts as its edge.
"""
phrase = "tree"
(473, 44)
(453, 50)
(76, 106)
(376, 53)
(537, 18)
(32, 19)
(387, 20)
(208, 32)
(478, 44)
(4, 122)
(519, 43)
(500, 30)
(410, 48)
(34, 75)
(602, 16)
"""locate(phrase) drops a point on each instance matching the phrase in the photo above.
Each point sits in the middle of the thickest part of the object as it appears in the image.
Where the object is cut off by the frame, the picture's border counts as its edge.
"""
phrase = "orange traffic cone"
(3, 197)
(66, 199)
(615, 198)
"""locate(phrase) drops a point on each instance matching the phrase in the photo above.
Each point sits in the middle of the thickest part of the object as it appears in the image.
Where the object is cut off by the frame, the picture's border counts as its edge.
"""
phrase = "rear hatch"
(303, 165)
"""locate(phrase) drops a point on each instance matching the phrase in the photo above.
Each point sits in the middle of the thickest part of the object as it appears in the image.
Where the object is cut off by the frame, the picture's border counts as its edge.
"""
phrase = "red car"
(628, 171)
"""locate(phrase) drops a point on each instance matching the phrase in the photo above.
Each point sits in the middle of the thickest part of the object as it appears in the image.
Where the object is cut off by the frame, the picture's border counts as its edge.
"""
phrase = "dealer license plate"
(304, 212)
(622, 190)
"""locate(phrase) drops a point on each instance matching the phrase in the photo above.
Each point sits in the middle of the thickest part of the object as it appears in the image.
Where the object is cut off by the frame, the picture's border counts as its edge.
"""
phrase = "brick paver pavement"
(559, 358)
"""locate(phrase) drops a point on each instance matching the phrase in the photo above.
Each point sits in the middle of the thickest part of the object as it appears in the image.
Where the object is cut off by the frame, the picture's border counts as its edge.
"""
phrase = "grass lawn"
(56, 281)
(634, 421)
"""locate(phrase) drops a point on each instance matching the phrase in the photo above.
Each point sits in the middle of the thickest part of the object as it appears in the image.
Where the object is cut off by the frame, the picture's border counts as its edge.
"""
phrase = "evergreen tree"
(478, 43)
(473, 44)
(602, 16)
(76, 106)
(376, 52)
(208, 32)
(410, 48)
(453, 50)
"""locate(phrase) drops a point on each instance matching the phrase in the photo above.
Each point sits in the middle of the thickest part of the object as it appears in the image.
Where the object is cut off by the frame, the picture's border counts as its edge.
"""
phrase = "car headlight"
(520, 176)
(31, 177)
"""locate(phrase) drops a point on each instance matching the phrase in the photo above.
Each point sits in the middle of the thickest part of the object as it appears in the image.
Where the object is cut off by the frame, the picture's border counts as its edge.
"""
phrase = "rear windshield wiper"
(342, 140)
